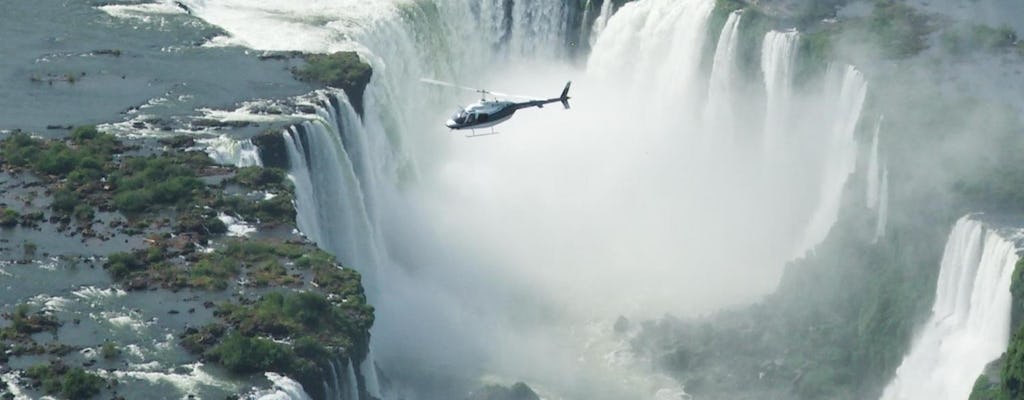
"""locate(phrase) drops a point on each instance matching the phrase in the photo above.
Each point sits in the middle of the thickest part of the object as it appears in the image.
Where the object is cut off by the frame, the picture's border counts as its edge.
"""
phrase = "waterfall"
(840, 152)
(872, 188)
(368, 369)
(656, 46)
(778, 56)
(228, 151)
(351, 383)
(883, 205)
(284, 389)
(518, 240)
(328, 170)
(970, 320)
(718, 111)
(602, 21)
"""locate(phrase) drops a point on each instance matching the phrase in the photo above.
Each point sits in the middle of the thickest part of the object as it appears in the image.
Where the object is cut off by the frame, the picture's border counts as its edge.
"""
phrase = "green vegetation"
(145, 182)
(266, 179)
(264, 260)
(965, 41)
(243, 354)
(25, 322)
(8, 217)
(899, 29)
(69, 383)
(343, 70)
(109, 351)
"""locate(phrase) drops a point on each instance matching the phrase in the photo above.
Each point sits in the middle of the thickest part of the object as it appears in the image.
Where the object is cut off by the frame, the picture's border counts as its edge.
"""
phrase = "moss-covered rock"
(343, 70)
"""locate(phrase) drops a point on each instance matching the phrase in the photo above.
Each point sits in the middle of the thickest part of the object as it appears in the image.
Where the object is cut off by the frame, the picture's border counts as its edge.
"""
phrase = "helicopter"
(488, 113)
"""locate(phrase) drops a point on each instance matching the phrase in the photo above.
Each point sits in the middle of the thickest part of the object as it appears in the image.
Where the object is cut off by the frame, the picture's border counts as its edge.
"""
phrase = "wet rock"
(518, 391)
(272, 149)
(621, 325)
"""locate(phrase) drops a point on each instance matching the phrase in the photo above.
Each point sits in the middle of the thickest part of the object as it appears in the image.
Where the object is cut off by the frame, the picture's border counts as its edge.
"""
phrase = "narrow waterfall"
(970, 320)
(607, 8)
(351, 383)
(368, 369)
(883, 205)
(719, 111)
(873, 173)
(840, 152)
(778, 56)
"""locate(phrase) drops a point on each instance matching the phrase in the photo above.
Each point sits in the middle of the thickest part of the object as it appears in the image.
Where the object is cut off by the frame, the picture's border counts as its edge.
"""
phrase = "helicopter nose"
(451, 124)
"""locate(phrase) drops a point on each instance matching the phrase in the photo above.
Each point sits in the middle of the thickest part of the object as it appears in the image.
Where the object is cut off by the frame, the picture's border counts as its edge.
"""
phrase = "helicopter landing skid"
(474, 134)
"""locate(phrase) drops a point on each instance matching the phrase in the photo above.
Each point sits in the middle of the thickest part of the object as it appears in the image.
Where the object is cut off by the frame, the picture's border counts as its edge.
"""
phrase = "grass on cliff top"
(341, 70)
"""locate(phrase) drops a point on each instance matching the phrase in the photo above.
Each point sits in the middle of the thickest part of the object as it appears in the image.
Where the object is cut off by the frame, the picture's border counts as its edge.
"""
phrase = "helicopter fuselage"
(483, 114)
(487, 113)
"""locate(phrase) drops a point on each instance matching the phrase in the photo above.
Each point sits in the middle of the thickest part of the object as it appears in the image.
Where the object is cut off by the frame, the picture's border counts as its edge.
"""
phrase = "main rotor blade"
(483, 91)
(449, 84)
(500, 94)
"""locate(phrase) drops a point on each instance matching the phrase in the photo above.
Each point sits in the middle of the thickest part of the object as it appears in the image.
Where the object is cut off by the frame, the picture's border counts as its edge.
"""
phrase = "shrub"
(78, 384)
(109, 350)
(64, 202)
(8, 217)
(242, 354)
(121, 265)
(83, 134)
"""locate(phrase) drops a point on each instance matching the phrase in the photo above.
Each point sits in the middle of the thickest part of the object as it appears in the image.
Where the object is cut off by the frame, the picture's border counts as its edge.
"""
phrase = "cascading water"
(240, 153)
(778, 56)
(284, 389)
(718, 112)
(883, 205)
(877, 185)
(497, 252)
(840, 152)
(602, 21)
(873, 174)
(970, 320)
(327, 171)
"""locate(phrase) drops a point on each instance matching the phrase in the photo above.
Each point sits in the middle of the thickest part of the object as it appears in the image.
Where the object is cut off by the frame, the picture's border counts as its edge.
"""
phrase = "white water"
(883, 205)
(368, 369)
(970, 321)
(719, 112)
(492, 256)
(350, 382)
(225, 150)
(873, 174)
(601, 22)
(839, 151)
(284, 389)
(778, 56)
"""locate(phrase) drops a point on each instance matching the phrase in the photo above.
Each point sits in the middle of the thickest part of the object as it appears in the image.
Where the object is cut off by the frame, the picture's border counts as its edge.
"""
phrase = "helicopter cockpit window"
(459, 117)
(471, 118)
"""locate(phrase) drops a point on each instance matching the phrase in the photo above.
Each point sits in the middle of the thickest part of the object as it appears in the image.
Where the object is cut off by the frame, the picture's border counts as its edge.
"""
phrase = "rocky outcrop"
(343, 70)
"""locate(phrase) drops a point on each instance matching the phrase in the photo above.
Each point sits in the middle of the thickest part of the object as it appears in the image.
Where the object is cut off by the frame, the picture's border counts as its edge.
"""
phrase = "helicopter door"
(471, 118)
